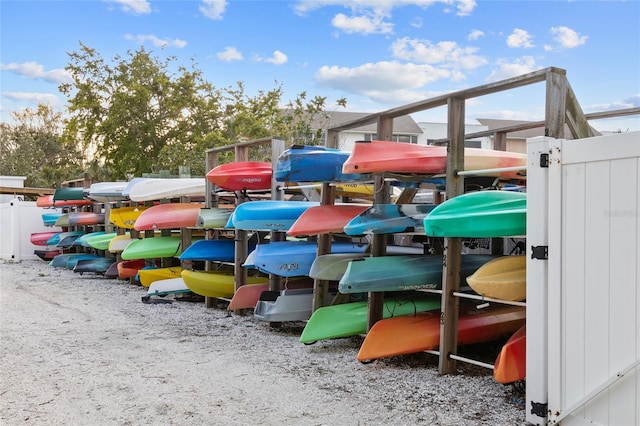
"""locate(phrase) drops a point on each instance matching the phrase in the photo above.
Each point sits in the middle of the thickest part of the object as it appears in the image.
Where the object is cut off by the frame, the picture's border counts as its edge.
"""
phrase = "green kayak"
(156, 247)
(101, 242)
(484, 214)
(350, 319)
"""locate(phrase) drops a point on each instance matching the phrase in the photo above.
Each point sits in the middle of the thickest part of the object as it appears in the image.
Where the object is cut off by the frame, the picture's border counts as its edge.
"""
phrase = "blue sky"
(377, 54)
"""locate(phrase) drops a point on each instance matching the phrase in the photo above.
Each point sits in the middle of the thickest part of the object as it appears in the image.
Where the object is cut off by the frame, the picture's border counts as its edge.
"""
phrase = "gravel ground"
(84, 350)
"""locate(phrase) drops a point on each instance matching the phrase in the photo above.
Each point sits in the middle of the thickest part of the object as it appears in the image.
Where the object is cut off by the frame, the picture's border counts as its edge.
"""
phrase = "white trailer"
(583, 292)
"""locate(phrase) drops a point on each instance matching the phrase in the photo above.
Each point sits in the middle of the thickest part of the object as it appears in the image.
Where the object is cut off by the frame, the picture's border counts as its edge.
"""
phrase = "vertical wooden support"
(453, 246)
(211, 161)
(555, 104)
(379, 243)
(500, 141)
(321, 287)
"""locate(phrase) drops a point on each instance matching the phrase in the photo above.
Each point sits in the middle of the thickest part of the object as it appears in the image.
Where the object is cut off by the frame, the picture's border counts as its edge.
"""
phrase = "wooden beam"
(26, 191)
(321, 287)
(575, 118)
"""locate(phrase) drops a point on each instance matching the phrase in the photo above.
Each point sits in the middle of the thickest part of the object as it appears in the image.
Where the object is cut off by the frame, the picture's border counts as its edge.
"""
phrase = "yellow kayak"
(215, 283)
(504, 278)
(125, 217)
(149, 276)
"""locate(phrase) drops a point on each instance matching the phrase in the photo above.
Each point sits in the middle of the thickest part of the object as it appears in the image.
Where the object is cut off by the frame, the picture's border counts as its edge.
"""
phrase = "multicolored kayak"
(149, 275)
(41, 238)
(213, 217)
(350, 319)
(403, 272)
(47, 201)
(59, 236)
(156, 247)
(48, 253)
(484, 214)
(168, 216)
(294, 258)
(325, 219)
(222, 250)
(85, 218)
(50, 219)
(101, 242)
(125, 217)
(303, 163)
(215, 283)
(62, 220)
(389, 219)
(241, 175)
(398, 157)
(159, 189)
(83, 240)
(270, 215)
(503, 278)
(421, 332)
(511, 363)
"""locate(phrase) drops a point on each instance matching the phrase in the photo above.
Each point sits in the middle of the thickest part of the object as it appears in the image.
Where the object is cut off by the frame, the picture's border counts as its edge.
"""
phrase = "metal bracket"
(544, 160)
(539, 409)
(540, 252)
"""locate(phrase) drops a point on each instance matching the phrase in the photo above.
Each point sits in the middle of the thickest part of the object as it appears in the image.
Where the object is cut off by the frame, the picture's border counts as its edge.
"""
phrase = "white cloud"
(229, 54)
(34, 98)
(156, 41)
(520, 38)
(567, 37)
(416, 23)
(213, 9)
(475, 34)
(35, 71)
(505, 70)
(630, 102)
(278, 58)
(446, 53)
(134, 7)
(361, 24)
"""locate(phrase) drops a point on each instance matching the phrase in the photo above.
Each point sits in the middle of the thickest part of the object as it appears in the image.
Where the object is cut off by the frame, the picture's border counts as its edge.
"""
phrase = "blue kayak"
(294, 258)
(270, 215)
(211, 250)
(389, 219)
(303, 163)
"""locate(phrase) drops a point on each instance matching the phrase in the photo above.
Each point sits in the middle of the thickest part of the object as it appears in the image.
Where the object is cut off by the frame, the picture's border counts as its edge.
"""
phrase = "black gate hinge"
(539, 409)
(540, 252)
(544, 160)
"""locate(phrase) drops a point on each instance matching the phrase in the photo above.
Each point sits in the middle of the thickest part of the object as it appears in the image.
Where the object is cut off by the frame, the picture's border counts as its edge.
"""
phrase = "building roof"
(401, 125)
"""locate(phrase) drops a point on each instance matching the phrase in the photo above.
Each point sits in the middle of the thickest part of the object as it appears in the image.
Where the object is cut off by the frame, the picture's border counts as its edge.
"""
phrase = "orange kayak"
(241, 175)
(511, 363)
(168, 216)
(416, 333)
(325, 219)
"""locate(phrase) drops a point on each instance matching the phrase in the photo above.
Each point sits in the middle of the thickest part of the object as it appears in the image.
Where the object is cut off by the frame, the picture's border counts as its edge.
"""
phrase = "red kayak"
(325, 219)
(41, 238)
(416, 333)
(47, 201)
(399, 157)
(511, 363)
(242, 175)
(168, 216)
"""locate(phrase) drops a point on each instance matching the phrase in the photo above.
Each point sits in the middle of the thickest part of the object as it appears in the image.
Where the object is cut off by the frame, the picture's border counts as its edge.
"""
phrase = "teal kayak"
(350, 319)
(389, 219)
(484, 214)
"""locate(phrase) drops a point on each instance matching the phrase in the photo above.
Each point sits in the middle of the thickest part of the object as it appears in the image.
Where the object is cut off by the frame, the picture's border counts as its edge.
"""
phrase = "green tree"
(33, 147)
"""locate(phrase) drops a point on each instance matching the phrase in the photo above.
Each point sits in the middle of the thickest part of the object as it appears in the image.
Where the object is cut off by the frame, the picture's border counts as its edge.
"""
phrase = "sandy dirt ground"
(84, 350)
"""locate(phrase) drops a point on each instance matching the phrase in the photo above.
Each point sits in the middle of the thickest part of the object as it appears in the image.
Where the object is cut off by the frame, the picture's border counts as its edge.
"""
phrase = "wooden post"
(453, 246)
(321, 287)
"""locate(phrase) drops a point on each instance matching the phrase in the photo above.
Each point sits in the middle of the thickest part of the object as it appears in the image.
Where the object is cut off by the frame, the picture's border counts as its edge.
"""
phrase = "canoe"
(168, 216)
(63, 220)
(247, 296)
(129, 268)
(106, 192)
(398, 157)
(69, 260)
(69, 194)
(389, 219)
(403, 272)
(221, 250)
(98, 265)
(83, 240)
(213, 217)
(167, 287)
(511, 363)
(50, 219)
(484, 214)
(85, 218)
(215, 283)
(101, 242)
(416, 333)
(294, 258)
(156, 247)
(48, 253)
(285, 305)
(503, 278)
(158, 189)
(270, 215)
(241, 175)
(149, 275)
(125, 217)
(59, 236)
(350, 319)
(325, 219)
(41, 238)
(304, 163)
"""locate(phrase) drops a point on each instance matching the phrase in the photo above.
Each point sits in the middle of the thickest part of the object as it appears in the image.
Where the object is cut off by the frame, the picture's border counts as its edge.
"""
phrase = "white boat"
(104, 192)
(285, 305)
(168, 286)
(158, 189)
